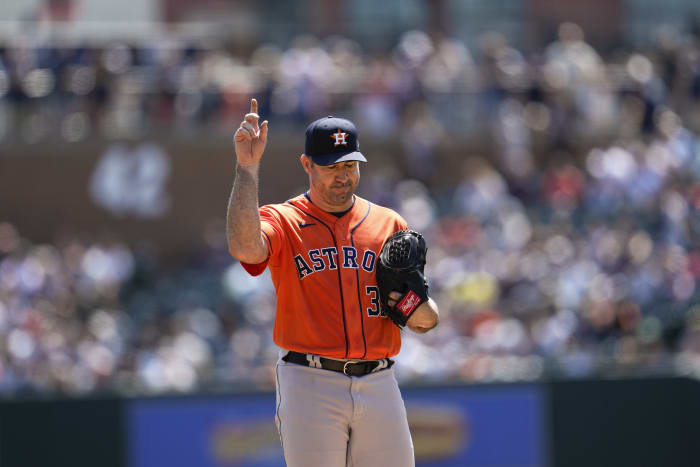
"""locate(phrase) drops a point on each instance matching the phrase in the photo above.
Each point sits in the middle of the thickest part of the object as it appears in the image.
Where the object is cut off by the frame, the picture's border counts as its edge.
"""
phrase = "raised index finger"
(253, 106)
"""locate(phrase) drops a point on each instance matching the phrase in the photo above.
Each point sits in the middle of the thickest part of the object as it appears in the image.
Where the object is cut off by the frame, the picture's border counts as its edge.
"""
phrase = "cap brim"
(329, 159)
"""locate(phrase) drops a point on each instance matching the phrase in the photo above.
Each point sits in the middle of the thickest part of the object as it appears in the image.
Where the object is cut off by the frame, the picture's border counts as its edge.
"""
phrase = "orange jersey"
(323, 270)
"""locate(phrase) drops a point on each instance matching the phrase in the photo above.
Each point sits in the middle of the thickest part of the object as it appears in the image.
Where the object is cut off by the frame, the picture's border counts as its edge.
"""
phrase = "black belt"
(349, 367)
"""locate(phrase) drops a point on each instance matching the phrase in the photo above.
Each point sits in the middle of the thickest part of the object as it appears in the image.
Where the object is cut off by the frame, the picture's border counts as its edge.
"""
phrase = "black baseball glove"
(400, 269)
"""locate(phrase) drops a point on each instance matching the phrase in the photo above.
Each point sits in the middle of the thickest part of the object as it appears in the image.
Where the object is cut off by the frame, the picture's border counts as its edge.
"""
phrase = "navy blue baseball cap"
(330, 140)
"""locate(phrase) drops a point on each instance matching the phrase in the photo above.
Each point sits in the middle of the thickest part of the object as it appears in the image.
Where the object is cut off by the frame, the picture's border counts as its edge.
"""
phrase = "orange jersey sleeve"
(323, 271)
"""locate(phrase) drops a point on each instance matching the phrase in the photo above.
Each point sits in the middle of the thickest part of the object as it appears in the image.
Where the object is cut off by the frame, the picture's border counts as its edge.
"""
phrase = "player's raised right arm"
(245, 239)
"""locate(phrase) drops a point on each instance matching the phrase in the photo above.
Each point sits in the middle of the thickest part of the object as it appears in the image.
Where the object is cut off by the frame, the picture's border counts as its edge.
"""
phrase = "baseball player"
(338, 403)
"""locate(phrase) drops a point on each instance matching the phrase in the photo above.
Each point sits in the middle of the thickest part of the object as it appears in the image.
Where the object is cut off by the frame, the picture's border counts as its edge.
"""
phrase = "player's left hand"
(425, 317)
(394, 298)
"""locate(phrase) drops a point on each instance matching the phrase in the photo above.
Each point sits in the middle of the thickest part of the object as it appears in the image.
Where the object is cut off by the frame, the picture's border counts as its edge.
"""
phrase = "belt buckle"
(345, 366)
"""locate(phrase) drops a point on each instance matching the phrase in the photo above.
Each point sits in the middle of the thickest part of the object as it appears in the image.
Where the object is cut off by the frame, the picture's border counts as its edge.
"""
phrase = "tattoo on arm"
(243, 219)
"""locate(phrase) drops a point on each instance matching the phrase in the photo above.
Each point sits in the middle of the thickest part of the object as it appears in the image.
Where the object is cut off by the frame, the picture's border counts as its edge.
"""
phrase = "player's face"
(332, 186)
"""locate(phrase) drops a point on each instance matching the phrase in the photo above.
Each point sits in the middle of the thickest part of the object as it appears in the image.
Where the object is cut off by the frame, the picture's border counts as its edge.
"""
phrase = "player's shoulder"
(286, 209)
(379, 212)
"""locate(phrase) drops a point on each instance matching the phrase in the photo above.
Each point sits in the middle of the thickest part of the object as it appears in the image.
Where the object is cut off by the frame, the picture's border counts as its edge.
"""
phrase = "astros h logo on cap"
(330, 140)
(339, 137)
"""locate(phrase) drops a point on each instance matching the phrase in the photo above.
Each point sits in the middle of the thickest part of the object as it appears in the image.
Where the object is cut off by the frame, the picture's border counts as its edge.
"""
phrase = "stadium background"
(548, 150)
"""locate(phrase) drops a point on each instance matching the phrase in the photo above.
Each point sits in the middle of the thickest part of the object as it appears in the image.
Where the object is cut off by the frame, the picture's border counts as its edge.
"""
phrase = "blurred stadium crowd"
(571, 250)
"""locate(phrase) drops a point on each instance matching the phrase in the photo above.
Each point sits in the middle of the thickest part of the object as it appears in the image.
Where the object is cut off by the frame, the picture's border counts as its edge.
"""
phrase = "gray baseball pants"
(328, 419)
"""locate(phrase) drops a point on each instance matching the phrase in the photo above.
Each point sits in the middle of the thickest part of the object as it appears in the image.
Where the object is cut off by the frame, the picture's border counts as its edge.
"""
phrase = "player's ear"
(305, 162)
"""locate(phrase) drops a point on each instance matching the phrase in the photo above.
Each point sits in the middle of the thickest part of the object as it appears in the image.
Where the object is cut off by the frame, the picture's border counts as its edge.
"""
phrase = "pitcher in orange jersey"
(338, 403)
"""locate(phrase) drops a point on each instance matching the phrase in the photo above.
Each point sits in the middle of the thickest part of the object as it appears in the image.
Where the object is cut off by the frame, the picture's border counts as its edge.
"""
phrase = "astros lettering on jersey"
(329, 302)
